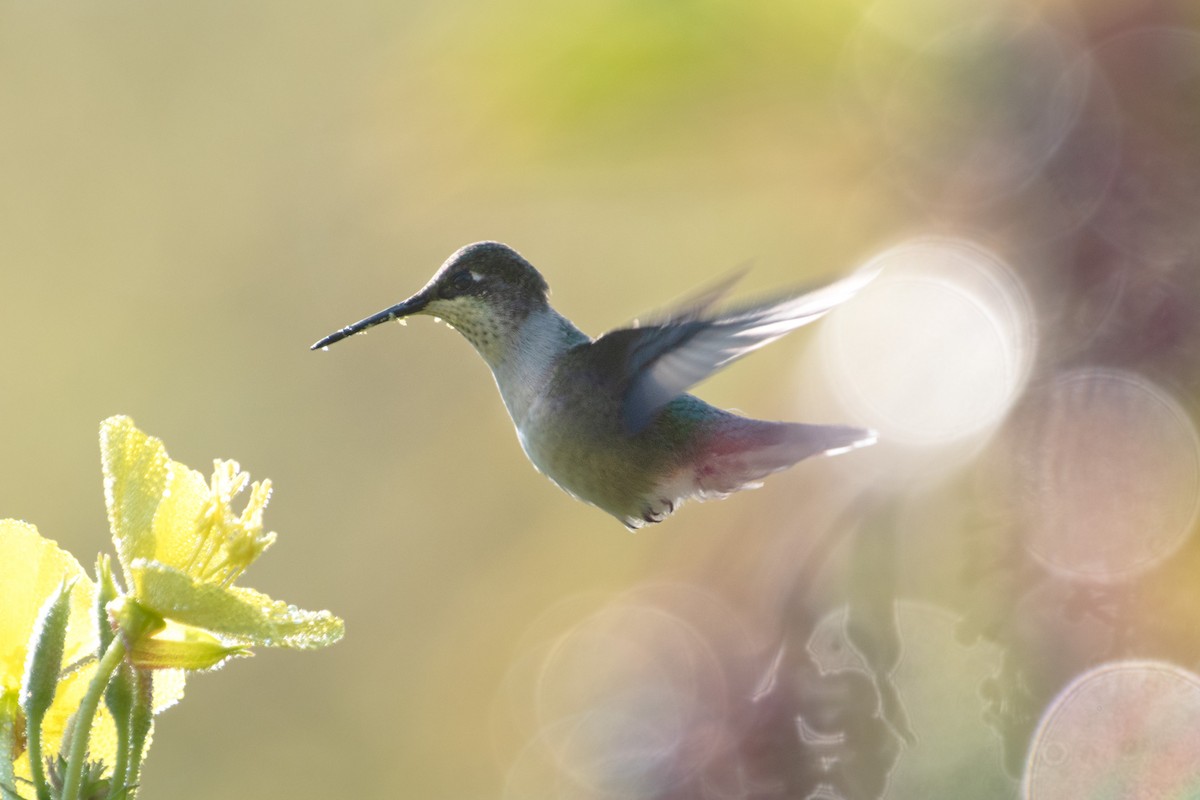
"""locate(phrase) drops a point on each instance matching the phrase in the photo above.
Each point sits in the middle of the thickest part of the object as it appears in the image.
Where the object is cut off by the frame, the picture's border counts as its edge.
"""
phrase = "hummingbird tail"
(741, 458)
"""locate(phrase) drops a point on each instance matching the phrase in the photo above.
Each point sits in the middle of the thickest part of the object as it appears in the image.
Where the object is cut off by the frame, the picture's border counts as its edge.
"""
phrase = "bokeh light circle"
(936, 349)
(632, 697)
(1106, 475)
(627, 706)
(1125, 729)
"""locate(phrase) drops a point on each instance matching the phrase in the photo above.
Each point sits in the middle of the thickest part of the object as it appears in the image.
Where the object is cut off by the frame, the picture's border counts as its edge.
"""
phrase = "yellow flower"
(181, 546)
(32, 569)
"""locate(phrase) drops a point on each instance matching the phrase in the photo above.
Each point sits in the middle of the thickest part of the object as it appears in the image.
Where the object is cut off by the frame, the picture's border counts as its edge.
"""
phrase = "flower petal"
(31, 569)
(136, 471)
(242, 615)
(176, 537)
(168, 689)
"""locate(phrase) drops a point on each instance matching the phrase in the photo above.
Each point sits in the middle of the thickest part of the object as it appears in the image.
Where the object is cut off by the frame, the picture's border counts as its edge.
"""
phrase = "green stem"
(83, 718)
(37, 766)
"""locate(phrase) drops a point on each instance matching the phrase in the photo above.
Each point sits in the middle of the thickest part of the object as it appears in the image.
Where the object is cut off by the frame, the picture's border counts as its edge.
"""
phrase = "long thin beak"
(410, 306)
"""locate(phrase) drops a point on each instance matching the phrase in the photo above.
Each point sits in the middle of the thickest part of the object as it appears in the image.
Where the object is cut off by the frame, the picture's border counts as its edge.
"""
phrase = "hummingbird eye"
(461, 281)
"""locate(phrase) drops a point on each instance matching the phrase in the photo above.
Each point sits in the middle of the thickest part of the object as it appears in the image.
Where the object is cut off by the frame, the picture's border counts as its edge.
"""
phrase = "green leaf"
(243, 615)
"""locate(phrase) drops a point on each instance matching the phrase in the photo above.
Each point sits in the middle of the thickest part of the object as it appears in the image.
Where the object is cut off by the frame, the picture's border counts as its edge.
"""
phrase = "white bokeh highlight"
(937, 349)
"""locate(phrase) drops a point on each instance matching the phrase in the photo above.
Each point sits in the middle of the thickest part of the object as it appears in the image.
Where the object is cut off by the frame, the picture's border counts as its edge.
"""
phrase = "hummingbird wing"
(694, 306)
(657, 363)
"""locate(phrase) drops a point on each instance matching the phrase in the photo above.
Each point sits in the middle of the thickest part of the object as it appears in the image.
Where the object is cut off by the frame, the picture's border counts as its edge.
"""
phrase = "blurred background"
(997, 601)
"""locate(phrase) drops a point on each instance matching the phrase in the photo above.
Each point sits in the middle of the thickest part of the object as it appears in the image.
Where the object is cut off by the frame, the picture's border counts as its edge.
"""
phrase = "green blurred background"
(190, 194)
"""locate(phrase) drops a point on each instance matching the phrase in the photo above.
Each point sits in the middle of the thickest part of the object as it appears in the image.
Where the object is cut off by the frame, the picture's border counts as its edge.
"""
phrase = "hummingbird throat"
(480, 325)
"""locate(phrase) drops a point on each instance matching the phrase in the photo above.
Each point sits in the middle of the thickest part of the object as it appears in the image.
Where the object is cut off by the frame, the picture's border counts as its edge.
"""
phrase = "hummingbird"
(609, 420)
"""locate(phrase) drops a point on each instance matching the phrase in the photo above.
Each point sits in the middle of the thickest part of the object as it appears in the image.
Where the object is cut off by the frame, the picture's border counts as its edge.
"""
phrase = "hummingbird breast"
(573, 433)
(589, 456)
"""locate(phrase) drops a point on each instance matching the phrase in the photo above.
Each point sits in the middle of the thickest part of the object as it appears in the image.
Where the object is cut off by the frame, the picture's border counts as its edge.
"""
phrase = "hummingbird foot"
(657, 512)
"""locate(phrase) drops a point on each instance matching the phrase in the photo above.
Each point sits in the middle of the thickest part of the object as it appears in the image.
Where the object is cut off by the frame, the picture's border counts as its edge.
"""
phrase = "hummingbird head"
(484, 290)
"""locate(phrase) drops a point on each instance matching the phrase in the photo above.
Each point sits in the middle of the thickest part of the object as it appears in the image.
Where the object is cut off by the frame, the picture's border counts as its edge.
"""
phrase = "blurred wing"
(694, 306)
(660, 362)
